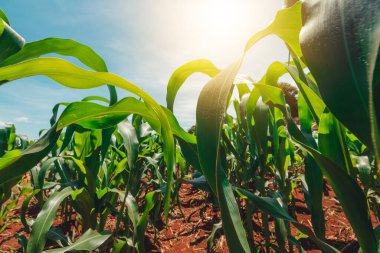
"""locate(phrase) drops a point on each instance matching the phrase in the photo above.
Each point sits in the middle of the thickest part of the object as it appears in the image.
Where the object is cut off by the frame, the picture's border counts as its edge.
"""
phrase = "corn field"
(128, 157)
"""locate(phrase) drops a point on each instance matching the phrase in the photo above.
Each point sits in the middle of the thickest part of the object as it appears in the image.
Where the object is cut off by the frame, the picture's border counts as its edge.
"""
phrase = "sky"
(143, 41)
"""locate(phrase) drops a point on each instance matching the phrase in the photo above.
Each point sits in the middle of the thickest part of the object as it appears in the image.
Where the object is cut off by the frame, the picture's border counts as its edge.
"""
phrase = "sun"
(220, 16)
(218, 29)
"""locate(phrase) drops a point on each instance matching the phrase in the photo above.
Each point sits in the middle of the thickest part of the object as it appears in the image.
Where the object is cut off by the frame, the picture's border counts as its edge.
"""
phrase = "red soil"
(190, 233)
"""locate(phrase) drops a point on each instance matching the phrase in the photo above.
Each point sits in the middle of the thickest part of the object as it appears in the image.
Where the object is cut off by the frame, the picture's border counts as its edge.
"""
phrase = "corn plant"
(329, 157)
(95, 156)
(10, 142)
(102, 183)
(86, 158)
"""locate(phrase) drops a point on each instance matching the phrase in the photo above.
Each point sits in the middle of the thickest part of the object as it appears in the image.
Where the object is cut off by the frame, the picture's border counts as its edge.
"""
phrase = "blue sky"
(143, 41)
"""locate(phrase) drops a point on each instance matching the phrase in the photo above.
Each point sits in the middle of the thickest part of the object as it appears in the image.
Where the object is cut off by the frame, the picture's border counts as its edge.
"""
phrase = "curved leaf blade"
(182, 73)
(89, 241)
(72, 76)
(211, 107)
(286, 25)
(15, 166)
(340, 41)
(10, 41)
(45, 219)
(95, 116)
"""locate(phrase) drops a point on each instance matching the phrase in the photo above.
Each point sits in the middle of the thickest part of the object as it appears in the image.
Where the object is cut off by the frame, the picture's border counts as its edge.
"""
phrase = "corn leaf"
(45, 219)
(74, 77)
(212, 104)
(340, 41)
(180, 75)
(71, 48)
(89, 241)
(286, 25)
(150, 201)
(130, 142)
(4, 17)
(15, 166)
(95, 116)
(10, 41)
(346, 190)
(273, 207)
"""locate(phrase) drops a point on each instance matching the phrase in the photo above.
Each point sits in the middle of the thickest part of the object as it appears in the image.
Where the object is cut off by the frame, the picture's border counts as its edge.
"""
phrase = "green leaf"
(4, 17)
(2, 27)
(96, 98)
(89, 241)
(260, 114)
(55, 109)
(313, 174)
(132, 207)
(364, 170)
(57, 235)
(253, 138)
(69, 48)
(274, 72)
(314, 180)
(312, 98)
(212, 104)
(10, 41)
(177, 129)
(72, 48)
(86, 142)
(210, 240)
(15, 166)
(332, 142)
(85, 205)
(64, 47)
(242, 89)
(273, 95)
(190, 153)
(286, 25)
(45, 219)
(269, 205)
(344, 186)
(274, 207)
(95, 116)
(347, 190)
(74, 77)
(304, 114)
(182, 73)
(24, 208)
(340, 41)
(150, 201)
(130, 142)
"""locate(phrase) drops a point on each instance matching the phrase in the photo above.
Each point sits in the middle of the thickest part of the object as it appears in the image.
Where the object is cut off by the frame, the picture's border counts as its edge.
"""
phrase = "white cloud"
(22, 119)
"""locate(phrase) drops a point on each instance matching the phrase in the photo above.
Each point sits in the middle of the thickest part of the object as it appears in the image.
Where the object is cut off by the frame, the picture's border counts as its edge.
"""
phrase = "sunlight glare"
(218, 29)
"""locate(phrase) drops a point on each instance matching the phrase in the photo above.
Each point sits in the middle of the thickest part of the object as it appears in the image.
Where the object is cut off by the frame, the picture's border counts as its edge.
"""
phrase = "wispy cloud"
(22, 119)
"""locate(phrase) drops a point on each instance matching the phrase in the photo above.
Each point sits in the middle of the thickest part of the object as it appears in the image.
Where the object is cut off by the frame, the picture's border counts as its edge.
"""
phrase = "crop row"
(128, 157)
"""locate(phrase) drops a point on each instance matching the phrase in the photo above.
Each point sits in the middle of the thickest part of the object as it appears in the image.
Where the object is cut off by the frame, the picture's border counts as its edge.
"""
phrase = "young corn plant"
(249, 161)
(327, 156)
(78, 160)
(103, 183)
(10, 142)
